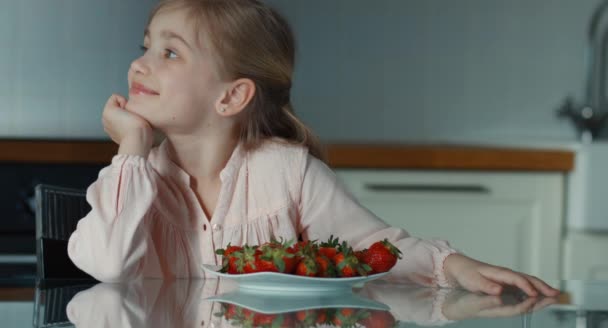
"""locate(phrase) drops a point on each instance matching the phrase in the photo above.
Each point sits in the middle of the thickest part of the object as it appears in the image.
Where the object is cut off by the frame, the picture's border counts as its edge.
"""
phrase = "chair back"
(58, 210)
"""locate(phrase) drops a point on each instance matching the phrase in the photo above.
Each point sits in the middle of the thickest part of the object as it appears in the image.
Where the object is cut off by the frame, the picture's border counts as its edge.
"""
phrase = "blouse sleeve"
(326, 208)
(110, 242)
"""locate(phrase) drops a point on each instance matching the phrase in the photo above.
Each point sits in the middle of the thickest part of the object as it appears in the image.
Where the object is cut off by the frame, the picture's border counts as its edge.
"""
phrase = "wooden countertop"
(387, 156)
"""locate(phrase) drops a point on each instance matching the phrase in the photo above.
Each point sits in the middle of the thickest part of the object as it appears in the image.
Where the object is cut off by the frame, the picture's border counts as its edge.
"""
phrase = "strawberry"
(329, 248)
(229, 257)
(306, 267)
(381, 256)
(361, 255)
(325, 267)
(378, 318)
(277, 257)
(246, 259)
(347, 264)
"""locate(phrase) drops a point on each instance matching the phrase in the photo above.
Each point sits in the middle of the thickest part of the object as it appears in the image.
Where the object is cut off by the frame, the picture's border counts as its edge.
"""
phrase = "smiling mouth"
(140, 89)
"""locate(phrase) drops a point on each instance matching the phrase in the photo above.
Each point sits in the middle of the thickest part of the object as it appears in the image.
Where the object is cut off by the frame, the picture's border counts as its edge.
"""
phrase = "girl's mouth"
(140, 89)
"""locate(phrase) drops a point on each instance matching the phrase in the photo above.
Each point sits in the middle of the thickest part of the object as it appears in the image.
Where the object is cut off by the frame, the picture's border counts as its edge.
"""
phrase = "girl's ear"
(236, 97)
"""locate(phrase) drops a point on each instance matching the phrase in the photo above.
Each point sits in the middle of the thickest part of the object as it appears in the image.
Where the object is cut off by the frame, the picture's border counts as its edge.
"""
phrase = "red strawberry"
(361, 255)
(347, 264)
(229, 257)
(381, 256)
(329, 248)
(325, 267)
(306, 267)
(377, 318)
(277, 257)
(246, 259)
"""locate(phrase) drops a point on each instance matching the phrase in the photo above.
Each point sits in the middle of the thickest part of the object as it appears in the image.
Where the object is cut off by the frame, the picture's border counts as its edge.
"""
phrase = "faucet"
(590, 116)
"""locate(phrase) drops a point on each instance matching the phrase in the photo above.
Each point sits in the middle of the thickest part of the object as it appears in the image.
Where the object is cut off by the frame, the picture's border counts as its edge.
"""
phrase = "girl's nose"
(139, 66)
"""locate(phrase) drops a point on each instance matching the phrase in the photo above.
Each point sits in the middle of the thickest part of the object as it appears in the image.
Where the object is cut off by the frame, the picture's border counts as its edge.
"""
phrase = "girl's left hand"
(478, 276)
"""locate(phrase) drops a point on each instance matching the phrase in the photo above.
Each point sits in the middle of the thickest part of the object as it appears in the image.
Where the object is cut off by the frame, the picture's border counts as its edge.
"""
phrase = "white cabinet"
(585, 255)
(508, 219)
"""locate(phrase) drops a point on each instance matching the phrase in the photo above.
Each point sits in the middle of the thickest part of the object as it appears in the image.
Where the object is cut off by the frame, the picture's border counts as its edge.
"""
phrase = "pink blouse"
(146, 220)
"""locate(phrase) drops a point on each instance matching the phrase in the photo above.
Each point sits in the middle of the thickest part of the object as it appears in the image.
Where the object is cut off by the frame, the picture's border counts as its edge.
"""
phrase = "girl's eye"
(170, 54)
(143, 48)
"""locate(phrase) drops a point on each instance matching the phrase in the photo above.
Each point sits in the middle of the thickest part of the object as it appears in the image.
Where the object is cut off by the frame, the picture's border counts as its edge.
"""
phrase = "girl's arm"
(327, 208)
(109, 243)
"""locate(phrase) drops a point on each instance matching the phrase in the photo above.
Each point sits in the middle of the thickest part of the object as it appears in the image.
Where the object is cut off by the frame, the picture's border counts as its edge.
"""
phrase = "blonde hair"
(251, 40)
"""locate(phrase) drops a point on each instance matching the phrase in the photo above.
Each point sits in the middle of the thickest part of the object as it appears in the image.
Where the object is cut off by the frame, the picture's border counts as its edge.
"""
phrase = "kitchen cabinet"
(585, 255)
(511, 219)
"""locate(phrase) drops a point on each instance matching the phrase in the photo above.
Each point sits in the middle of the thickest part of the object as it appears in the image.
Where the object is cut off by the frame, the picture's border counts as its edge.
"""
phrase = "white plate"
(271, 304)
(272, 282)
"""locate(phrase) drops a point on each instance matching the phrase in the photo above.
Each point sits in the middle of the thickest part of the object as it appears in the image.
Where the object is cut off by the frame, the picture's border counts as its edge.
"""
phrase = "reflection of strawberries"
(306, 318)
(347, 317)
(377, 318)
(381, 256)
(263, 319)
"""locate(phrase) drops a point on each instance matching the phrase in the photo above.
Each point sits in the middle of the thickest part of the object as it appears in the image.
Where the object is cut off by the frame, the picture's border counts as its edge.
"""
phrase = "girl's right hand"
(130, 131)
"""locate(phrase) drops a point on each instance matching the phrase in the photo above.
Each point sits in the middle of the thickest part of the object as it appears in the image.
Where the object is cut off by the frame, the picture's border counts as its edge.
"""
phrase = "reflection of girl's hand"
(461, 305)
(132, 132)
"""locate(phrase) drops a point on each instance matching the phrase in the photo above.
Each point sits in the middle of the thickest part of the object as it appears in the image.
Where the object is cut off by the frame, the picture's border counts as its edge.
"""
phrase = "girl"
(236, 165)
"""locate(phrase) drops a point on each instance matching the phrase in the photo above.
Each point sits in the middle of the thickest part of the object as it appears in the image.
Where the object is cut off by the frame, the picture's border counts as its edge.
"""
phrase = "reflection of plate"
(272, 282)
(274, 304)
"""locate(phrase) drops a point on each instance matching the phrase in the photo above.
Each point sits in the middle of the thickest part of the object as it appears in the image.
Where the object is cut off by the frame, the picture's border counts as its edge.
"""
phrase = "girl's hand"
(131, 132)
(477, 276)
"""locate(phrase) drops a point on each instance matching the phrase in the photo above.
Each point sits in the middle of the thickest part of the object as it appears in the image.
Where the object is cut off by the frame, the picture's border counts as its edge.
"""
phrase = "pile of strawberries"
(331, 317)
(310, 258)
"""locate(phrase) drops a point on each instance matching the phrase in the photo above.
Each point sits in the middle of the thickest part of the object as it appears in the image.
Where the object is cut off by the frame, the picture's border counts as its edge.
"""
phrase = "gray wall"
(399, 70)
(61, 60)
(412, 70)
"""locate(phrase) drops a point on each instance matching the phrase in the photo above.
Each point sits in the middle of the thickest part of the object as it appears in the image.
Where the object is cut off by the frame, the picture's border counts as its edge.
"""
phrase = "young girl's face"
(174, 85)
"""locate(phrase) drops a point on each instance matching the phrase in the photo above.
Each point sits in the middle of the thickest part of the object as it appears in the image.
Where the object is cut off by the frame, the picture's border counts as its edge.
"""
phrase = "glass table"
(220, 303)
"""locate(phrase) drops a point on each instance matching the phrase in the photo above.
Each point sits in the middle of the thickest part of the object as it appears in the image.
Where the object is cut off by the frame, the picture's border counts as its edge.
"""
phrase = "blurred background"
(398, 70)
(467, 93)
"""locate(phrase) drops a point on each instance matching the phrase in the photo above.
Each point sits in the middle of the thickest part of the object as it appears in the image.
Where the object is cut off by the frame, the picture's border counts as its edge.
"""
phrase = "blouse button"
(217, 227)
(204, 227)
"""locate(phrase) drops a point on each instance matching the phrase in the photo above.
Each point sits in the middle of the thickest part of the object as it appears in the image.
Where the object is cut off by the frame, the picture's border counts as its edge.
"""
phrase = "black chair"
(58, 210)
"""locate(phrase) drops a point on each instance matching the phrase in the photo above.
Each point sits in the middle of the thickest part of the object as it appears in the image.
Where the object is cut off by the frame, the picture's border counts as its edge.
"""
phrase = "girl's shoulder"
(275, 156)
(279, 149)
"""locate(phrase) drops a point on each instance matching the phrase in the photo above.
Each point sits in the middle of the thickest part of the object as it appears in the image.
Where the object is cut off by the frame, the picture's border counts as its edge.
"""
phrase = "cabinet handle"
(470, 189)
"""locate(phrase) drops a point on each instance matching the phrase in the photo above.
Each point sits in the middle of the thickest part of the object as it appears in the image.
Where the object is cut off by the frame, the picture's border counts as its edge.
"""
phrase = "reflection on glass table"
(218, 303)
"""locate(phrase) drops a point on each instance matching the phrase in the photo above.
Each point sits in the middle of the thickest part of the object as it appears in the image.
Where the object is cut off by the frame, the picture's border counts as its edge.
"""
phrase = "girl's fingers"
(487, 286)
(512, 278)
(542, 286)
(117, 100)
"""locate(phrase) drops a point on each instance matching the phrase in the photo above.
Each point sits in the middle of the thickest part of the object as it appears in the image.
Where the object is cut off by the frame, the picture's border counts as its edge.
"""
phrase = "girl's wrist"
(137, 144)
(449, 265)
